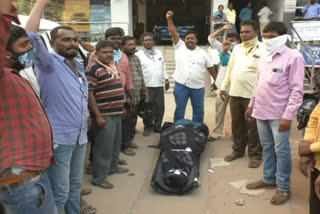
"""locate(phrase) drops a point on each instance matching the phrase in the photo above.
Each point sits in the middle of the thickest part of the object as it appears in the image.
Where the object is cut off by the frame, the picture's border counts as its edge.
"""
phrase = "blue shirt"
(64, 95)
(224, 59)
(245, 14)
(313, 11)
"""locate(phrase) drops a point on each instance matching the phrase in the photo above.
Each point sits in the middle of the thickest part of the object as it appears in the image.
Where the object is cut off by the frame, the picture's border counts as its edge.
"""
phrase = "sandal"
(260, 185)
(281, 197)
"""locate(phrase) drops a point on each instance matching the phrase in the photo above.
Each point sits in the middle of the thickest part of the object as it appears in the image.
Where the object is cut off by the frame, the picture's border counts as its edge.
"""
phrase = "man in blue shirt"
(311, 10)
(246, 13)
(64, 94)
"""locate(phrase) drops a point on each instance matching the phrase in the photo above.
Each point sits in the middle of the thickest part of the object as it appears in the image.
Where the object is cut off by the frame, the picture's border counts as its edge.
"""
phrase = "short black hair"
(252, 23)
(191, 32)
(146, 34)
(264, 3)
(220, 6)
(278, 27)
(54, 32)
(233, 35)
(16, 32)
(104, 44)
(125, 39)
(113, 31)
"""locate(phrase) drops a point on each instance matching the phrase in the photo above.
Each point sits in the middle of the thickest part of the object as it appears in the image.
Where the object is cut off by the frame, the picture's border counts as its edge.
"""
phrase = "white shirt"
(264, 14)
(191, 66)
(153, 68)
(29, 75)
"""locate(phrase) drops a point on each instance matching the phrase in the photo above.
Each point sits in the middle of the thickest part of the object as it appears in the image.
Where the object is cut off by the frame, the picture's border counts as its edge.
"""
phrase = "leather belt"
(14, 181)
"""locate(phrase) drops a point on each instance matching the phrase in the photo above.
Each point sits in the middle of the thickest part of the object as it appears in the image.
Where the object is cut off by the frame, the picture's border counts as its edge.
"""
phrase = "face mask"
(272, 45)
(26, 59)
(233, 44)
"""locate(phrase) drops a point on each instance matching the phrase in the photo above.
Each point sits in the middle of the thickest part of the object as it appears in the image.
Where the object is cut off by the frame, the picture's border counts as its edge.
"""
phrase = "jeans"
(106, 149)
(157, 98)
(276, 154)
(181, 96)
(129, 126)
(34, 197)
(66, 177)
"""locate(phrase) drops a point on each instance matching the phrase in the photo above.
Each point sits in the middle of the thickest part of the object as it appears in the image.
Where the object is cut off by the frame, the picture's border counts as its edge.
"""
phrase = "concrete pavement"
(134, 195)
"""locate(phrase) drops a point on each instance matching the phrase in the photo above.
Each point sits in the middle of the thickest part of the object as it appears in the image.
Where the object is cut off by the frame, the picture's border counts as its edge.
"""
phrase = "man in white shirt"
(224, 51)
(154, 74)
(191, 65)
(264, 14)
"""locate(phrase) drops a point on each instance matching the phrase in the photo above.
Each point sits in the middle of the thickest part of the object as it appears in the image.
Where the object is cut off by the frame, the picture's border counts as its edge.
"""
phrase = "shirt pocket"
(253, 62)
(275, 78)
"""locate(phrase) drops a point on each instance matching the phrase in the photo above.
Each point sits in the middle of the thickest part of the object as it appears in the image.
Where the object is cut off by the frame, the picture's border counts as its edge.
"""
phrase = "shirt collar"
(280, 51)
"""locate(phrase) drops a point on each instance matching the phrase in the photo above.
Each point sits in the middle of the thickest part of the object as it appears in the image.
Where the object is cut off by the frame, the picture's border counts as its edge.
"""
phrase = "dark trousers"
(157, 98)
(244, 132)
(314, 200)
(129, 126)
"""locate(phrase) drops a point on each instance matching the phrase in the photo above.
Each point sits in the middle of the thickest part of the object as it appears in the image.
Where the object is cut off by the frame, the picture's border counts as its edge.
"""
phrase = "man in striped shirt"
(106, 99)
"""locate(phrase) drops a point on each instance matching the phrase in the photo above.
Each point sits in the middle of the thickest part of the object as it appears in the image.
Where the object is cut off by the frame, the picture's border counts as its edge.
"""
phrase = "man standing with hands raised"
(191, 63)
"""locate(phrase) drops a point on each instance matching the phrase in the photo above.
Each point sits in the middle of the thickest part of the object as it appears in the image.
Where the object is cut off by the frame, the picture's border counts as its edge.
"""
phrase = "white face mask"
(272, 45)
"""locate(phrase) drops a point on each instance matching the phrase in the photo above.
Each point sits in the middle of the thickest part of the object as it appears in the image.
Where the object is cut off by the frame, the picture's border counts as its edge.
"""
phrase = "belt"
(14, 181)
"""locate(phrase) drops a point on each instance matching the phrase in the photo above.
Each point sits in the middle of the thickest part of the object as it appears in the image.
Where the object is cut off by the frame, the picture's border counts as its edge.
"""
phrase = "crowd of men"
(43, 139)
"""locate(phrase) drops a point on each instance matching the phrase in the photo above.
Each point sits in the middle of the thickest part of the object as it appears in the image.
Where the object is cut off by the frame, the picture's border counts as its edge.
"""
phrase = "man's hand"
(317, 186)
(304, 148)
(223, 95)
(101, 122)
(305, 164)
(169, 14)
(213, 87)
(284, 125)
(167, 85)
(248, 114)
(227, 27)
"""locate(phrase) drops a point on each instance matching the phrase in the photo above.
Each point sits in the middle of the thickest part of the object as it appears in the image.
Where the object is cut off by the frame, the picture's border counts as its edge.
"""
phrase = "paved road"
(134, 195)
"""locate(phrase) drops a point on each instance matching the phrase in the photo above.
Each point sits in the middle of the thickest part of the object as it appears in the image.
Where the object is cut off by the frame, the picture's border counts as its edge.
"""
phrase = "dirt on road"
(134, 195)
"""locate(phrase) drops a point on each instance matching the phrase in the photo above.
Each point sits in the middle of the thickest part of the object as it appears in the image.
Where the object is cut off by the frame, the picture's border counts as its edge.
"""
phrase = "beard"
(68, 54)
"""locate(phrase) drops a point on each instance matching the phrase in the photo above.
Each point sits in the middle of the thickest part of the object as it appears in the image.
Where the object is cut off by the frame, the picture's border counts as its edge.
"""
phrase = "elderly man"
(154, 74)
(274, 104)
(64, 94)
(26, 147)
(191, 63)
(241, 76)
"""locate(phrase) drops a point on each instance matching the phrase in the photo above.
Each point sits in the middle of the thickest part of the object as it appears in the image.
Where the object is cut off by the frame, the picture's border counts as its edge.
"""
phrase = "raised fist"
(169, 14)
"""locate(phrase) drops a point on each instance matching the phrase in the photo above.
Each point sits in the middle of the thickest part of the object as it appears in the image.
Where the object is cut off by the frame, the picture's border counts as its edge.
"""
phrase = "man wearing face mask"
(64, 94)
(241, 76)
(223, 52)
(26, 147)
(191, 64)
(106, 99)
(274, 104)
(155, 75)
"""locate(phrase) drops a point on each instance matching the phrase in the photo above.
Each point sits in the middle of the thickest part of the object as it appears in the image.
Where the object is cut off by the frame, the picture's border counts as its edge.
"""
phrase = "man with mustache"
(241, 77)
(64, 94)
(191, 63)
(106, 99)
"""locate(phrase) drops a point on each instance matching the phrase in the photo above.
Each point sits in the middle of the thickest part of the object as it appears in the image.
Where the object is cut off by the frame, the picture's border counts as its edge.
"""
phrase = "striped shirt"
(108, 90)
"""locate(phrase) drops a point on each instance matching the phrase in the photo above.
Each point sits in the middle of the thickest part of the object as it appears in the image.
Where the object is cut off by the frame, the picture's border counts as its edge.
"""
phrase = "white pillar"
(121, 15)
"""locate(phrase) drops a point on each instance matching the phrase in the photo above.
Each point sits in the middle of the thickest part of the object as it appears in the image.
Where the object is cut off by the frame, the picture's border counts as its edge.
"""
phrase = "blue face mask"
(26, 59)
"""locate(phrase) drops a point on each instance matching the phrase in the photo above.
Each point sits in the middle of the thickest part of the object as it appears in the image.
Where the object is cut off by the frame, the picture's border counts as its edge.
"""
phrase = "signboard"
(309, 51)
(290, 6)
(100, 11)
(307, 30)
(77, 11)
